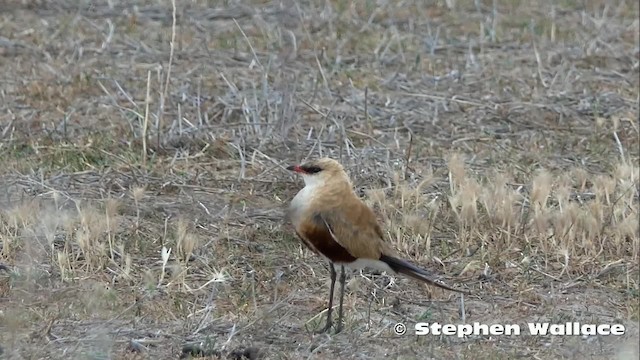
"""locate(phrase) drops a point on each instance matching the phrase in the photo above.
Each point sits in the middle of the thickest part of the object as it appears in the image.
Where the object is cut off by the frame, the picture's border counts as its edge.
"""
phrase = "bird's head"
(320, 172)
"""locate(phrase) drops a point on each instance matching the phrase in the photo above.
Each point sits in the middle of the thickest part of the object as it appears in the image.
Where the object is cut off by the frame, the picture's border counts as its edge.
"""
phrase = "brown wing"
(354, 228)
(318, 236)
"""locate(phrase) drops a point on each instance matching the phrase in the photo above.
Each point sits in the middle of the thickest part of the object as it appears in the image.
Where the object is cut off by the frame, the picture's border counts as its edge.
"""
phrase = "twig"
(620, 148)
(146, 121)
(366, 112)
(408, 156)
(163, 95)
(539, 62)
(253, 51)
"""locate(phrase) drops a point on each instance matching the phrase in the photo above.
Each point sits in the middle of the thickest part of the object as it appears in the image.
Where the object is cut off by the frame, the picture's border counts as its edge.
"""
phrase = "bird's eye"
(312, 169)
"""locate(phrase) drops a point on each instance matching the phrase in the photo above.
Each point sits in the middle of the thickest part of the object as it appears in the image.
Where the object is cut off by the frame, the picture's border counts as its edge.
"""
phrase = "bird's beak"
(295, 168)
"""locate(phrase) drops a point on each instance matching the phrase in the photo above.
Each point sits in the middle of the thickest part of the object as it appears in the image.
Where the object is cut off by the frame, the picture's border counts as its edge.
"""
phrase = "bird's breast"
(299, 204)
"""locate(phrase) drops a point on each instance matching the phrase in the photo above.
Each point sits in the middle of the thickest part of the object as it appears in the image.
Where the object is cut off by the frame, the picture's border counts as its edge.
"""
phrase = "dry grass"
(143, 153)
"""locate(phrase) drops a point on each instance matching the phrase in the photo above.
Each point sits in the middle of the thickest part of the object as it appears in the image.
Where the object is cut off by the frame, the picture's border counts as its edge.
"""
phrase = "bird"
(333, 222)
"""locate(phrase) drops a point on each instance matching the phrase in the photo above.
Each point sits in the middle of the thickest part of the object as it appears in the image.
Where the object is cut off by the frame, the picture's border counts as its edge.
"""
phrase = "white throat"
(304, 197)
(312, 181)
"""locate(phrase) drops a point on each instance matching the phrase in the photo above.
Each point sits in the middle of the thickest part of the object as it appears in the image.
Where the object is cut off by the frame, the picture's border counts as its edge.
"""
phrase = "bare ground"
(497, 141)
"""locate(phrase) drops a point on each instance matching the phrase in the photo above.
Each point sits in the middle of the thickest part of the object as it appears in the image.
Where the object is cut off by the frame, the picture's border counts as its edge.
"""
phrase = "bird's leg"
(343, 278)
(327, 327)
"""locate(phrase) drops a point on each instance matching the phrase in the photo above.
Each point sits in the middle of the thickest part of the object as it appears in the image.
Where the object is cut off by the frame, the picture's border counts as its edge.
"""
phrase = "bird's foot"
(338, 327)
(325, 329)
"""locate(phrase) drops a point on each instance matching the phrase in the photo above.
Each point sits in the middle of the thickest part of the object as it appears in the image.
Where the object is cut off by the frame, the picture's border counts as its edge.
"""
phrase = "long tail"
(407, 268)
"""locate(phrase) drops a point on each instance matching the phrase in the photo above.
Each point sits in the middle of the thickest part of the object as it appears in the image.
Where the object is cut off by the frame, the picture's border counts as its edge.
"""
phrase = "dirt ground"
(143, 147)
